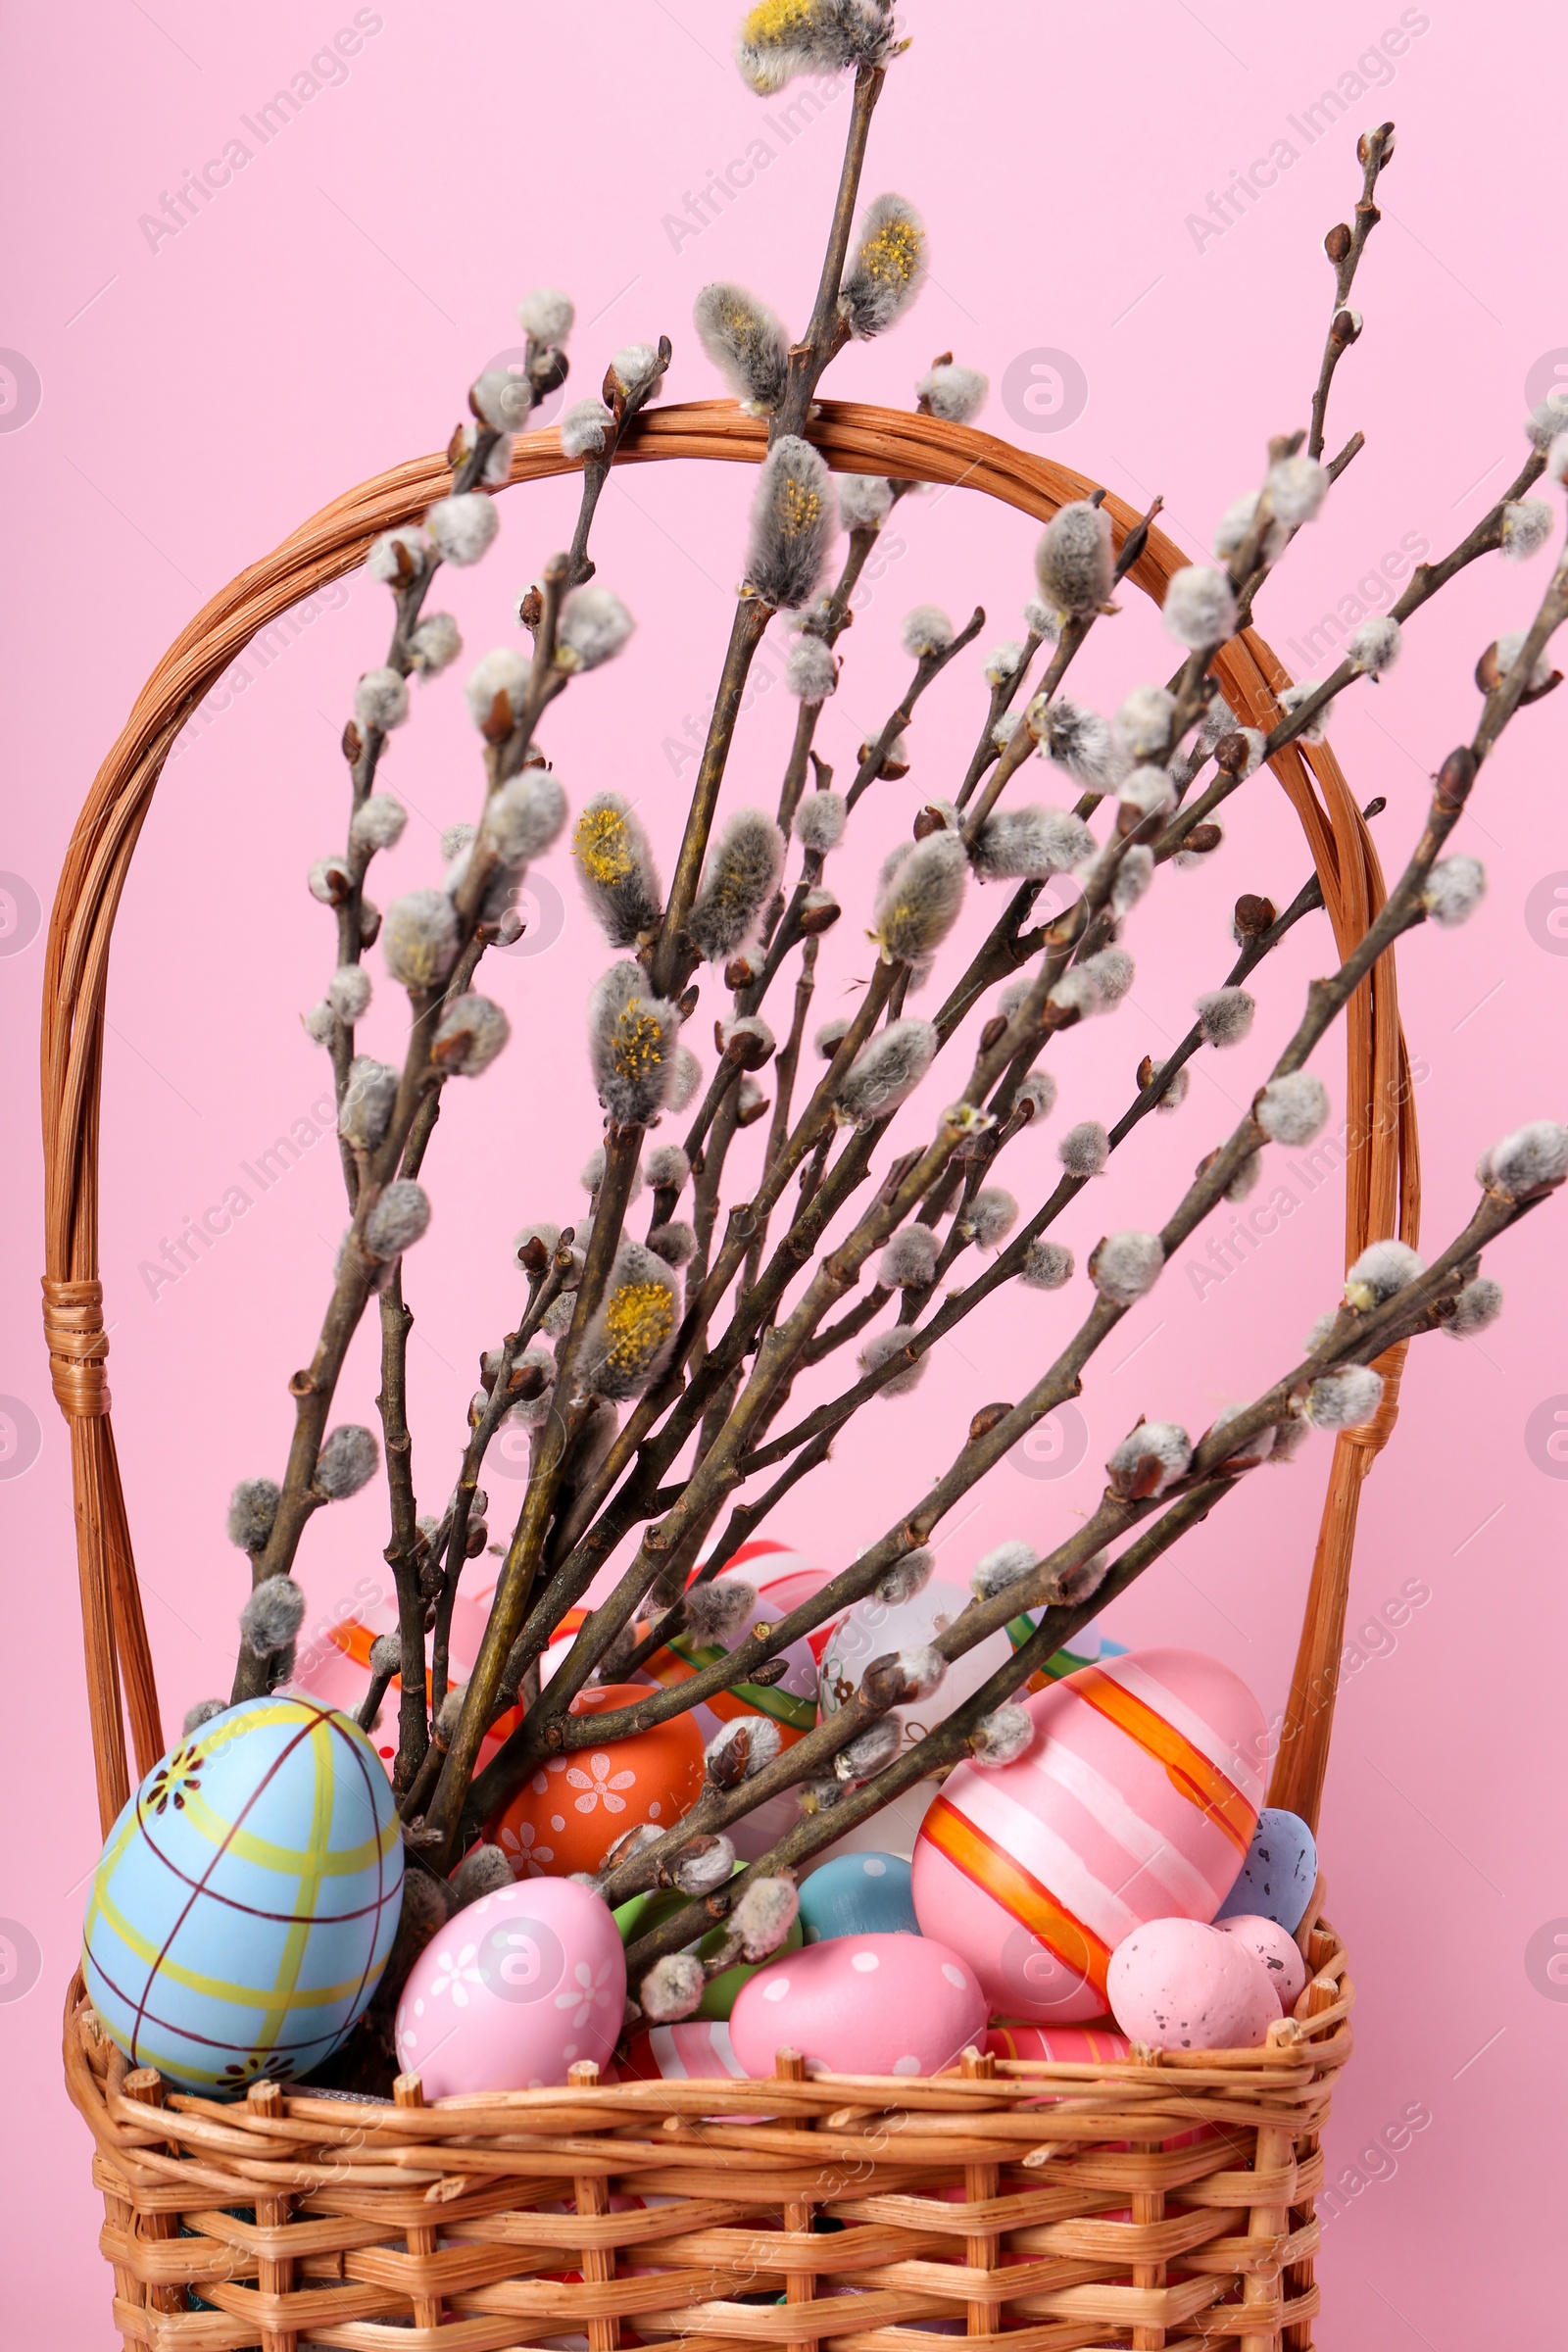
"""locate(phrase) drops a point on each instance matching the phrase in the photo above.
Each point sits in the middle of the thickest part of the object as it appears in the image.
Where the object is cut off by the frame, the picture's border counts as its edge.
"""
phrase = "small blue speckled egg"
(1279, 1874)
(857, 1895)
(247, 1898)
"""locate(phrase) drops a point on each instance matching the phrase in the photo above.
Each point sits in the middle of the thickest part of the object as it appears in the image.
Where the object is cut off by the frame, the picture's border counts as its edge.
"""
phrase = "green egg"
(645, 1912)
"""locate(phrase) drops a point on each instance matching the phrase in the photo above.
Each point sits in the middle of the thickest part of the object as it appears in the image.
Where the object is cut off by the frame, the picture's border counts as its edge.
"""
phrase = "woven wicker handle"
(1381, 1172)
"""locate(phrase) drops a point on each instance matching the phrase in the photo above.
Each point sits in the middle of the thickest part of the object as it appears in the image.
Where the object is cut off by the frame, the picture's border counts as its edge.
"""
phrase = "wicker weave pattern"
(1165, 2203)
(1040, 2206)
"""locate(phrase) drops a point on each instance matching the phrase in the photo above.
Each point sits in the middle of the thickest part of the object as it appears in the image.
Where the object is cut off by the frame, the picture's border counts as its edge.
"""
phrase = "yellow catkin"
(602, 846)
(638, 1320)
(639, 1043)
(892, 257)
(779, 20)
(799, 508)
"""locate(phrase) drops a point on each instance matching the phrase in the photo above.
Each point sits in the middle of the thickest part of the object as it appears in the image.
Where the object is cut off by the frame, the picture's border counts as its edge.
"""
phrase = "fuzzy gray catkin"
(271, 1617)
(523, 817)
(633, 1037)
(1005, 1564)
(746, 342)
(398, 1219)
(1073, 560)
(810, 673)
(740, 877)
(794, 518)
(910, 1259)
(919, 902)
(865, 501)
(616, 867)
(1029, 844)
(819, 821)
(886, 1071)
(1126, 1265)
(1046, 1267)
(1382, 1269)
(346, 1462)
(470, 1032)
(593, 628)
(462, 526)
(419, 939)
(1149, 1459)
(882, 1349)
(1079, 740)
(366, 1110)
(954, 393)
(252, 1508)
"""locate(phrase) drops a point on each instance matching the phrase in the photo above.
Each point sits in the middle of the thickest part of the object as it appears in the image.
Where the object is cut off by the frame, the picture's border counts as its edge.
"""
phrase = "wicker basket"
(1165, 2202)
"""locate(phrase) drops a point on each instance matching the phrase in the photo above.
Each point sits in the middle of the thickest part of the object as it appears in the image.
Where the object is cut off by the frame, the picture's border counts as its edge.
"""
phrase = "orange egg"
(577, 1805)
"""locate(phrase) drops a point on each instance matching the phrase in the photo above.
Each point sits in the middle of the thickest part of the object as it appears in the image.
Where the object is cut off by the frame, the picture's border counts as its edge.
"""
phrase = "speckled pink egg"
(861, 2005)
(1137, 1801)
(1182, 1985)
(1279, 1953)
(512, 1990)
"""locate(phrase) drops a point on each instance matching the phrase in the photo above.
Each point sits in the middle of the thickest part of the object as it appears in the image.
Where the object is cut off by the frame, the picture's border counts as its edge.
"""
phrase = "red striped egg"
(1137, 1801)
(1055, 2045)
(698, 2052)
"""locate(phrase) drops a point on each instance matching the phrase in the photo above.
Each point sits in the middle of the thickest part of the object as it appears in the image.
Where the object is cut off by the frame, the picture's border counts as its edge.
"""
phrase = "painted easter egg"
(1180, 1984)
(871, 1628)
(1279, 1872)
(1060, 2045)
(247, 1898)
(577, 1805)
(645, 1912)
(513, 1989)
(862, 2005)
(1090, 1645)
(857, 1895)
(699, 2050)
(333, 1657)
(1135, 1801)
(782, 1578)
(1279, 1953)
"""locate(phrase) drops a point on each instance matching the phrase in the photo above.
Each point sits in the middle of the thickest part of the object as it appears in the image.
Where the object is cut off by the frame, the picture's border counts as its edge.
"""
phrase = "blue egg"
(857, 1895)
(1277, 1878)
(247, 1898)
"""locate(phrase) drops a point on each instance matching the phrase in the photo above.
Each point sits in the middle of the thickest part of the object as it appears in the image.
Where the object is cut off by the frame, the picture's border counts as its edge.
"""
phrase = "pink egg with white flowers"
(861, 2005)
(512, 1990)
(1137, 1801)
(1279, 1952)
(1180, 1984)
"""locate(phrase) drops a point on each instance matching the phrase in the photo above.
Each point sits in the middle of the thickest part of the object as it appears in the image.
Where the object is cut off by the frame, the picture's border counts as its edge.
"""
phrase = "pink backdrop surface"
(173, 402)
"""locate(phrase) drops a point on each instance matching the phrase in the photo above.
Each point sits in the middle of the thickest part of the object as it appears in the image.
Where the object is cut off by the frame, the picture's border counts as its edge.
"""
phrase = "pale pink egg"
(861, 2005)
(1137, 1801)
(512, 1990)
(1180, 1984)
(1278, 1951)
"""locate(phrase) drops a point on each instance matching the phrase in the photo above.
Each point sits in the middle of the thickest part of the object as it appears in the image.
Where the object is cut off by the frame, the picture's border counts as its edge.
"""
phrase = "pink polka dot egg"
(861, 2005)
(512, 1990)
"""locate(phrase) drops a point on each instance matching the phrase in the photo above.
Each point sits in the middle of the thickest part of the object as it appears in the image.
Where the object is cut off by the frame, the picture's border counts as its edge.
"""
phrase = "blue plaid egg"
(247, 1898)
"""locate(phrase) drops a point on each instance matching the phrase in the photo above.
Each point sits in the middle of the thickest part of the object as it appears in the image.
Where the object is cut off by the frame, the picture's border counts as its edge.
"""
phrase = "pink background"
(320, 320)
